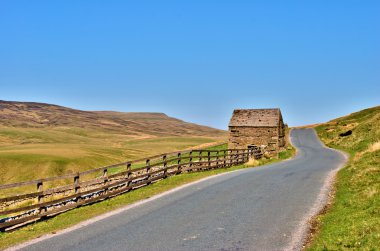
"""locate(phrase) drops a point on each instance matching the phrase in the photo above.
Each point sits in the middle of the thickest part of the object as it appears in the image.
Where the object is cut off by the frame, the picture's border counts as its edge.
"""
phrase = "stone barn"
(261, 127)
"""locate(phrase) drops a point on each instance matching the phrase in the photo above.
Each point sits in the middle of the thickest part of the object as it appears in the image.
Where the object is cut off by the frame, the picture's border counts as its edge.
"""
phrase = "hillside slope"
(42, 140)
(39, 115)
(353, 221)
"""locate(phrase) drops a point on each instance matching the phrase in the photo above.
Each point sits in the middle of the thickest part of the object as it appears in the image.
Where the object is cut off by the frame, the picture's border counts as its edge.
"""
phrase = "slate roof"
(256, 117)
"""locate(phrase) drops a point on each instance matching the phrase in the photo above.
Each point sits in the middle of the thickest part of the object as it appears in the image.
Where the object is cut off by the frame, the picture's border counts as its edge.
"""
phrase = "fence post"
(230, 157)
(165, 165)
(233, 157)
(217, 159)
(148, 169)
(224, 158)
(200, 159)
(179, 170)
(129, 174)
(236, 157)
(233, 153)
(208, 160)
(77, 187)
(190, 160)
(40, 188)
(40, 198)
(227, 158)
(105, 179)
(76, 183)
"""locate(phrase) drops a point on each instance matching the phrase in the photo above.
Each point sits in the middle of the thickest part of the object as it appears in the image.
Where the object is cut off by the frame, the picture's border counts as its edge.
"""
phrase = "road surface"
(262, 208)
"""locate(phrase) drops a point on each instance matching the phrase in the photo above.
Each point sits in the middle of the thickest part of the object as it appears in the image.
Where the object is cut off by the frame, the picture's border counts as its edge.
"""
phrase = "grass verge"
(352, 222)
(77, 215)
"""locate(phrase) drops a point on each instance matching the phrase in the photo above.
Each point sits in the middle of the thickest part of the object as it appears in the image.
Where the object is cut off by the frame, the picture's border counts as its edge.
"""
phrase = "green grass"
(77, 215)
(286, 154)
(218, 147)
(353, 220)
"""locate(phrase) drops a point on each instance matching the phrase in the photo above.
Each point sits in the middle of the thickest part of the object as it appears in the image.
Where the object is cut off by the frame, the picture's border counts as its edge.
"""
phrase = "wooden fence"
(51, 196)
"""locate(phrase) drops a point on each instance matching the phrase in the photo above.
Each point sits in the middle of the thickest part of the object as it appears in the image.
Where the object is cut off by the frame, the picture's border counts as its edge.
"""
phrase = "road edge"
(302, 234)
(113, 212)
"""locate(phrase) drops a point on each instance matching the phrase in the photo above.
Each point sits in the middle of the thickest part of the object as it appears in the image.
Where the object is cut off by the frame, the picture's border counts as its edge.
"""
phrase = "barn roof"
(256, 117)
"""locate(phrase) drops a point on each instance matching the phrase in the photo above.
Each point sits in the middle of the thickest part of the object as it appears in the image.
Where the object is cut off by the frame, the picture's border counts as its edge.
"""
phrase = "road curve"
(251, 209)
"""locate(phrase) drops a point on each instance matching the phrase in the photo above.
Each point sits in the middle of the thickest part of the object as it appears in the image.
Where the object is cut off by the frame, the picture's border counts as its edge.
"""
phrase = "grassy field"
(352, 222)
(42, 140)
(77, 215)
(53, 152)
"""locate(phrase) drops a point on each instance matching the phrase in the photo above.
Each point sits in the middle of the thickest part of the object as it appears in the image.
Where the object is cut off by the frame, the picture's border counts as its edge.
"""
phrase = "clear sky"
(195, 60)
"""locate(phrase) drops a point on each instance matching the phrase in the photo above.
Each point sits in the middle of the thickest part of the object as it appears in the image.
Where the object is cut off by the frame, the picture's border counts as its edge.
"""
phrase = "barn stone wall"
(242, 136)
(281, 135)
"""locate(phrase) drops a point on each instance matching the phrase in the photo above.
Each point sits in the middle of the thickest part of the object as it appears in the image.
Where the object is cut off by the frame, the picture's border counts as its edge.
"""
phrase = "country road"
(264, 208)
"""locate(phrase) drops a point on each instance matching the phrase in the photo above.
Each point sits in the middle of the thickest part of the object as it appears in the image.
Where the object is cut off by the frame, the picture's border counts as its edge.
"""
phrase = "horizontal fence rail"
(20, 205)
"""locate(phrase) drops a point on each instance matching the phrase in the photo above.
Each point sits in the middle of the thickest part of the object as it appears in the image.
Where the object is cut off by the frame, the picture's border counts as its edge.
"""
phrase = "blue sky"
(195, 60)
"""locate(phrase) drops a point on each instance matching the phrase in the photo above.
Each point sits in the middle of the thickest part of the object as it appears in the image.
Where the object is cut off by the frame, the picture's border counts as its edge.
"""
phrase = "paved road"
(251, 209)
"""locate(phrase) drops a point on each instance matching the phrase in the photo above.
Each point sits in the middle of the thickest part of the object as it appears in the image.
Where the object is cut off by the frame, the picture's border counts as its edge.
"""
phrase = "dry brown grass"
(372, 148)
(41, 140)
(252, 163)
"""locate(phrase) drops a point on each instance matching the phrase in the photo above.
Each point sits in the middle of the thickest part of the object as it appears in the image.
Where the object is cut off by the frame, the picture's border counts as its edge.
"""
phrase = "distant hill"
(40, 115)
(42, 140)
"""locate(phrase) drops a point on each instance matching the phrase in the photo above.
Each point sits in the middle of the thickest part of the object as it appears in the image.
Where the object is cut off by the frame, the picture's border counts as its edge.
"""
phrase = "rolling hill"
(42, 140)
(39, 115)
(352, 222)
